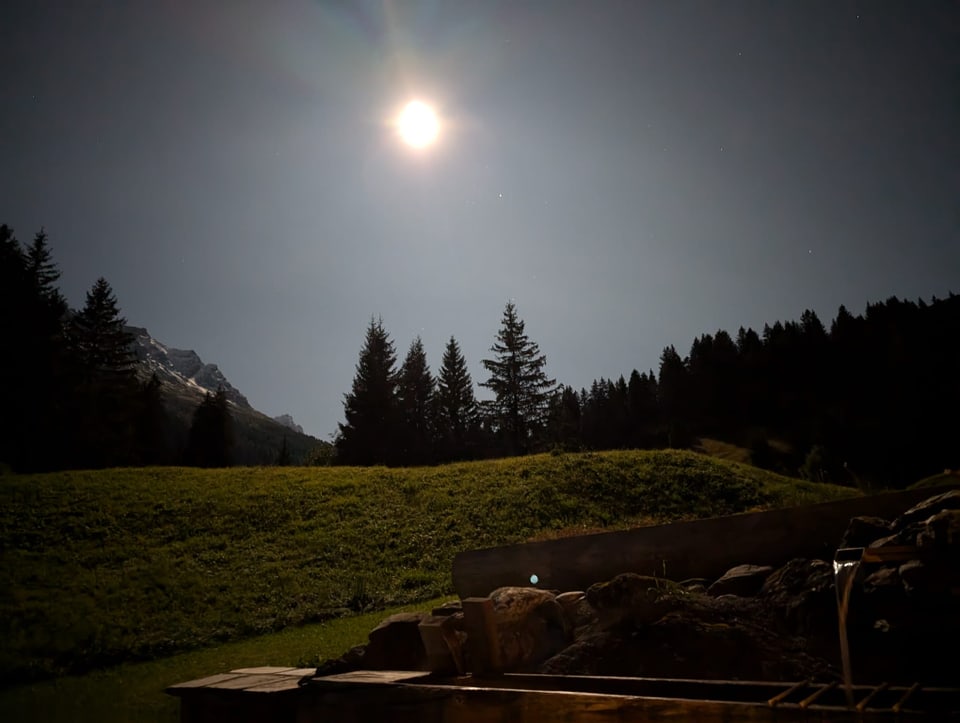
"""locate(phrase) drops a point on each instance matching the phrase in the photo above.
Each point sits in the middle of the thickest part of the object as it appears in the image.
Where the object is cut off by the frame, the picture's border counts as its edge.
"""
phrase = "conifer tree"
(523, 391)
(151, 423)
(368, 435)
(416, 388)
(105, 399)
(283, 456)
(210, 441)
(98, 334)
(456, 404)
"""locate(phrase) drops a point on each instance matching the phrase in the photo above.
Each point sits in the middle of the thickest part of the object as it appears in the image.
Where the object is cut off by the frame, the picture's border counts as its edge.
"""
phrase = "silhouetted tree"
(456, 405)
(210, 441)
(368, 436)
(283, 456)
(523, 391)
(564, 425)
(642, 411)
(151, 424)
(674, 398)
(416, 403)
(105, 383)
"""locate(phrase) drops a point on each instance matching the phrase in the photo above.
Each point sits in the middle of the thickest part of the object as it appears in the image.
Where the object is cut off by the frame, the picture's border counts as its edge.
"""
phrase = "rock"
(531, 626)
(576, 609)
(742, 580)
(395, 644)
(883, 578)
(448, 608)
(802, 593)
(629, 596)
(897, 539)
(941, 534)
(694, 583)
(703, 637)
(918, 513)
(349, 661)
(863, 530)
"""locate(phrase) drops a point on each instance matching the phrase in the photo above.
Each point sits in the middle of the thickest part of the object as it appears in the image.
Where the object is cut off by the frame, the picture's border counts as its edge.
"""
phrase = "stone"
(863, 530)
(629, 596)
(395, 644)
(576, 608)
(949, 500)
(448, 608)
(802, 593)
(941, 534)
(531, 626)
(742, 580)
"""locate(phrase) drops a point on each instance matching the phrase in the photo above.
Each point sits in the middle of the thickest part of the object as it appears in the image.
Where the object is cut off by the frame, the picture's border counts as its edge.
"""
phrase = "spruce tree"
(416, 388)
(456, 404)
(100, 339)
(210, 441)
(519, 411)
(106, 386)
(368, 435)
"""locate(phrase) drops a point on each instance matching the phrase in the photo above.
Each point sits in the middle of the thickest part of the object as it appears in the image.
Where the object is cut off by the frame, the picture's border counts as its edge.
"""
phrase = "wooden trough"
(368, 696)
(688, 549)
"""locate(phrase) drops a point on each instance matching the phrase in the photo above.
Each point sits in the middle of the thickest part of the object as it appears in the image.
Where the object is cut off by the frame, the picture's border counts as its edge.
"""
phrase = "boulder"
(576, 609)
(863, 530)
(629, 596)
(941, 534)
(742, 580)
(932, 505)
(802, 594)
(395, 644)
(531, 626)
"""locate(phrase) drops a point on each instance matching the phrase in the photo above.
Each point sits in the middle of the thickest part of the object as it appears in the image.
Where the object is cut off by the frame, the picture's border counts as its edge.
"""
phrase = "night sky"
(632, 174)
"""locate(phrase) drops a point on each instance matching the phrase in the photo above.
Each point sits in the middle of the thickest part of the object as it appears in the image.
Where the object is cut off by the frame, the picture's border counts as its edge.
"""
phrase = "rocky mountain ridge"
(185, 379)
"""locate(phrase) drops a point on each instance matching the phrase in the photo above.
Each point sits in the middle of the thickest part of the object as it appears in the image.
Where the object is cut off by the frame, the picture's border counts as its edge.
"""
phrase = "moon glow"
(418, 124)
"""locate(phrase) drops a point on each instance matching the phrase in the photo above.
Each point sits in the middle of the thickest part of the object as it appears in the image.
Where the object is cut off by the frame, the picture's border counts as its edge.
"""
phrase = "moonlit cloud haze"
(632, 174)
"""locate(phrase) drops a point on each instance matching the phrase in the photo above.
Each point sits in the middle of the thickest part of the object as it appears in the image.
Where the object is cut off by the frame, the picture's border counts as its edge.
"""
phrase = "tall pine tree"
(456, 405)
(210, 441)
(368, 435)
(106, 383)
(416, 388)
(519, 411)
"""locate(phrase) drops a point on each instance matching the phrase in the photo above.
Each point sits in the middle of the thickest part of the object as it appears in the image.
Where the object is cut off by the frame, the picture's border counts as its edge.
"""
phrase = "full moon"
(418, 124)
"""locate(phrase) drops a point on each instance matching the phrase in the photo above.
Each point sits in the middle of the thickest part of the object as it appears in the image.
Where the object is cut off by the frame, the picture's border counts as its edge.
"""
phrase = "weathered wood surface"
(579, 699)
(281, 695)
(247, 695)
(701, 548)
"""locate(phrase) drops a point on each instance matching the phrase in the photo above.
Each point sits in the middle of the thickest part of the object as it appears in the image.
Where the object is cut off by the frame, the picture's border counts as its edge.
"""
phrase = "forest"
(870, 400)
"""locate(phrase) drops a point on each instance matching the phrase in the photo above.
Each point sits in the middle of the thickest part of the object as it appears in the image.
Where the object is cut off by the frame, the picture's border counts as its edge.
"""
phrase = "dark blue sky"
(632, 174)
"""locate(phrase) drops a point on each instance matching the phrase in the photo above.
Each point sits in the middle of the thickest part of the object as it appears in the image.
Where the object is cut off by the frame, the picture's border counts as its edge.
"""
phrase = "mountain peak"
(287, 421)
(182, 366)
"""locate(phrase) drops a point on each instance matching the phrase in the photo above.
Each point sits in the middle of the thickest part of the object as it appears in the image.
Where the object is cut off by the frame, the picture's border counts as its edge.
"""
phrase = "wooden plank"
(483, 643)
(201, 682)
(444, 654)
(680, 550)
(463, 704)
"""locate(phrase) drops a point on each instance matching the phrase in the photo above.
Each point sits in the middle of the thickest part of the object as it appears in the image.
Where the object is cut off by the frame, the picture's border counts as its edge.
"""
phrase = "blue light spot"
(534, 579)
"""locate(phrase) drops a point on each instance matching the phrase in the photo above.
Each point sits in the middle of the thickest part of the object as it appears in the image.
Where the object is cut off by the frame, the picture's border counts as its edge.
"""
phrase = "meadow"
(111, 567)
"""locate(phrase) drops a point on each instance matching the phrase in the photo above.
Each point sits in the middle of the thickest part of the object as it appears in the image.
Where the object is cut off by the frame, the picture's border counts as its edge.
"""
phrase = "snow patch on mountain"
(182, 366)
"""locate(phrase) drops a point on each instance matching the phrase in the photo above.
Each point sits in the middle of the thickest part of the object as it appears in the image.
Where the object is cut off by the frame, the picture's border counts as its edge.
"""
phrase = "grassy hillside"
(131, 564)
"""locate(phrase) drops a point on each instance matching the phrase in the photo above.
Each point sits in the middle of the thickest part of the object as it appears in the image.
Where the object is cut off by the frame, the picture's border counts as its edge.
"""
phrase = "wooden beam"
(483, 642)
(701, 548)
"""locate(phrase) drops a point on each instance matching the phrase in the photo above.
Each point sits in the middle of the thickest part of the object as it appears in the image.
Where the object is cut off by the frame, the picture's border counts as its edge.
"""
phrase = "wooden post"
(444, 653)
(483, 643)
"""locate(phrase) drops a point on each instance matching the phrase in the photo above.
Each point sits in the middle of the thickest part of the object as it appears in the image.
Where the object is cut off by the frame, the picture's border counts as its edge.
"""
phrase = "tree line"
(72, 391)
(872, 401)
